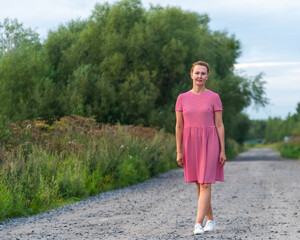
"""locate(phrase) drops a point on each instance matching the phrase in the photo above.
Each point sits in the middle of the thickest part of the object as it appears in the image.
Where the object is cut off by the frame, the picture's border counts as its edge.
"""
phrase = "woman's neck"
(198, 89)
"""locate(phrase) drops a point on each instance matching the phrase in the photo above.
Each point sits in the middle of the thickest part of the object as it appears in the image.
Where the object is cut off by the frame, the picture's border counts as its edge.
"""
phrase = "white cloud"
(253, 8)
(297, 70)
(284, 84)
(44, 15)
(264, 64)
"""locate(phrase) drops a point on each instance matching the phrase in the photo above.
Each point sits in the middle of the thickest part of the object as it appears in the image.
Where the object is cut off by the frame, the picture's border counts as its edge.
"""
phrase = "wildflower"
(122, 146)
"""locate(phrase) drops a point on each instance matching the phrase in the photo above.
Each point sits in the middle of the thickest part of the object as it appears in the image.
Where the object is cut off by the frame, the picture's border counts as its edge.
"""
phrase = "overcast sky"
(268, 30)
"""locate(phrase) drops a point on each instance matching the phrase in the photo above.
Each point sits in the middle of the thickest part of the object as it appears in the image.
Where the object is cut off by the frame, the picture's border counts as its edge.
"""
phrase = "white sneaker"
(209, 226)
(198, 229)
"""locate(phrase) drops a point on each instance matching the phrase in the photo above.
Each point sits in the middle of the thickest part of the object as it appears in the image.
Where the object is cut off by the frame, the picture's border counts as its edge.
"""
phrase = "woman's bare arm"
(179, 131)
(221, 133)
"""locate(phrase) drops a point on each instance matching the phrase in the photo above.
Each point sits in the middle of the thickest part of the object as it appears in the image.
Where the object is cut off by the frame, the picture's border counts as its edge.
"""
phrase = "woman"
(200, 141)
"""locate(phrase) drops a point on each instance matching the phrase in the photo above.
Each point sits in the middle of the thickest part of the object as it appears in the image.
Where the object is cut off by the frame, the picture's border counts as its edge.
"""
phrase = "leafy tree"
(20, 70)
(272, 129)
(125, 64)
(277, 129)
(288, 126)
(89, 94)
(62, 50)
(257, 129)
(47, 97)
(13, 35)
(138, 97)
(298, 111)
(241, 127)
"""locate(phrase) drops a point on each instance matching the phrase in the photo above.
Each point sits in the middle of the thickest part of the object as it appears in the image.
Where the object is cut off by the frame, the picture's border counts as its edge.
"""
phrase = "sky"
(267, 29)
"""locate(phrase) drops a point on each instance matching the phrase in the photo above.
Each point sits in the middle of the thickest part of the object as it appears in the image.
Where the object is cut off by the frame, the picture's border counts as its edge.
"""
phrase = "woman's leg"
(198, 189)
(209, 213)
(204, 202)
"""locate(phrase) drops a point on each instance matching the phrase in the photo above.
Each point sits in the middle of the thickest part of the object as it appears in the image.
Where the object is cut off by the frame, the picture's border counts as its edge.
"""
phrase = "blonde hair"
(201, 64)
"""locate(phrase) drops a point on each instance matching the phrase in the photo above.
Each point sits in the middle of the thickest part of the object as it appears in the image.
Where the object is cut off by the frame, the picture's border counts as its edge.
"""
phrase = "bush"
(48, 165)
(232, 148)
(289, 150)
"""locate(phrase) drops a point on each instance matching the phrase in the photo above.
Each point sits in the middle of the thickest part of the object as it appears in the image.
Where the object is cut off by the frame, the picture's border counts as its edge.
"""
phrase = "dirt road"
(260, 199)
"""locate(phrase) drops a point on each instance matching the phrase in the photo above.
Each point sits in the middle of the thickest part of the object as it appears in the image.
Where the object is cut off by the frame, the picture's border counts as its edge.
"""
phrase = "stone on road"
(260, 199)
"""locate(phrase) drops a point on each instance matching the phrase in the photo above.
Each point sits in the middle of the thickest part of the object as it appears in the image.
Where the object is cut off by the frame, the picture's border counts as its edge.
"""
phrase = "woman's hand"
(179, 159)
(222, 158)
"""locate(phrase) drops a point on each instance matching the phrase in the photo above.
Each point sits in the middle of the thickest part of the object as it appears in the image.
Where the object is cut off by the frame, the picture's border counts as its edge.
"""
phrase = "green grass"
(289, 149)
(46, 166)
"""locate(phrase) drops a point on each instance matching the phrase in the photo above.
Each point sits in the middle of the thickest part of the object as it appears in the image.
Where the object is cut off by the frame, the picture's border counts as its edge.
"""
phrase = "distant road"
(260, 199)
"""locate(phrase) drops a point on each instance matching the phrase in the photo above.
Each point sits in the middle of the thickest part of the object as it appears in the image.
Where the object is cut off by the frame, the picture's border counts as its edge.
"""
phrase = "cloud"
(44, 15)
(282, 76)
(270, 8)
(264, 64)
(284, 84)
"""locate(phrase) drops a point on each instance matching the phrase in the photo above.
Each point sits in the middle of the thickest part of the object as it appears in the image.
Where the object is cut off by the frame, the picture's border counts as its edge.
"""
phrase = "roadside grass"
(290, 149)
(45, 166)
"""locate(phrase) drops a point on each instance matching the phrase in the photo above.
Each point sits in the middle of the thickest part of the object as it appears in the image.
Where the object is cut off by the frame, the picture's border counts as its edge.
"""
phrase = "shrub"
(47, 165)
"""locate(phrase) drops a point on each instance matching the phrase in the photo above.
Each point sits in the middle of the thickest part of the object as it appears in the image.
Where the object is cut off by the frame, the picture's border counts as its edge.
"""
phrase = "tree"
(241, 127)
(20, 71)
(272, 129)
(126, 64)
(13, 35)
(257, 129)
(89, 94)
(62, 50)
(298, 111)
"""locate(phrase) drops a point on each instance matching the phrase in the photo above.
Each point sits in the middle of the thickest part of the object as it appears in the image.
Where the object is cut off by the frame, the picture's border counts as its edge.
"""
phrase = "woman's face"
(199, 75)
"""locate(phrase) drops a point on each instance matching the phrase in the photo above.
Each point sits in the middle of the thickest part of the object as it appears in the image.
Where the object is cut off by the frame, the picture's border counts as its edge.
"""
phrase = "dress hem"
(211, 182)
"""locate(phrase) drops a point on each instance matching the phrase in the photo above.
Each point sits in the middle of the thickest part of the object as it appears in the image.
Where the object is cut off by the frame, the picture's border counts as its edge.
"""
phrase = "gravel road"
(260, 199)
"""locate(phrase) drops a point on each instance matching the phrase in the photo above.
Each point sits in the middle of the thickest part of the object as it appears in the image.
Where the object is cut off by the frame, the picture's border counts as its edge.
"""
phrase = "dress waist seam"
(199, 126)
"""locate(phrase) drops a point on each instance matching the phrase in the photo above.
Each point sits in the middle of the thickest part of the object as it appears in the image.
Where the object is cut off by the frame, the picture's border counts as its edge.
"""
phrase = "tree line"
(275, 129)
(123, 64)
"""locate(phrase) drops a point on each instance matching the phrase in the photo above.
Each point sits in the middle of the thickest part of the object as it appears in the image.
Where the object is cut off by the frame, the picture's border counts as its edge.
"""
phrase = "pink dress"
(200, 141)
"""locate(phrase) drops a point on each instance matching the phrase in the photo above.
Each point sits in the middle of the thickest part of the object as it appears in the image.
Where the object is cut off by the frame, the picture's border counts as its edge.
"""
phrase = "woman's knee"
(205, 186)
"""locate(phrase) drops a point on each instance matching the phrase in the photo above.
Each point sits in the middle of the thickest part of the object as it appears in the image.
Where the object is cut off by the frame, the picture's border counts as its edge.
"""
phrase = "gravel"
(260, 199)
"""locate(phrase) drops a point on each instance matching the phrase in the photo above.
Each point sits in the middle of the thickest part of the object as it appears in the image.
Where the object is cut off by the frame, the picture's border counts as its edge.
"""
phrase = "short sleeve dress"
(200, 141)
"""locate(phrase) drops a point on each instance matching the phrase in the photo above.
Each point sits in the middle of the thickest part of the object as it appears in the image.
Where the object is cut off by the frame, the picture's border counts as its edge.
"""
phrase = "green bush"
(232, 148)
(289, 150)
(4, 131)
(46, 166)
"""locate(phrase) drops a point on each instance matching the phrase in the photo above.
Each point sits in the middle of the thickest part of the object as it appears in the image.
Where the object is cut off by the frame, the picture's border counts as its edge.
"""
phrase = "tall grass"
(45, 166)
(290, 149)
